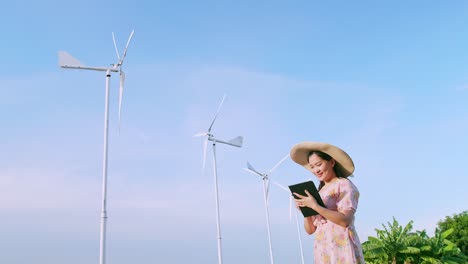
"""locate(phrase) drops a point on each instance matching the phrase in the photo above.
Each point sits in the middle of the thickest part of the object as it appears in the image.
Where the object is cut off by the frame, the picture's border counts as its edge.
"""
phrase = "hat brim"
(344, 164)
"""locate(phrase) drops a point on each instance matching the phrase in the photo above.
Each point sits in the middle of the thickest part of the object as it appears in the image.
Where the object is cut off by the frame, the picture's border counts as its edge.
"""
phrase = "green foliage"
(397, 244)
(438, 249)
(391, 245)
(459, 224)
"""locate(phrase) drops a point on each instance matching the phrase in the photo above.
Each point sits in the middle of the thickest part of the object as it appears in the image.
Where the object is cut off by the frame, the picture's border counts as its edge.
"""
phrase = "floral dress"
(333, 243)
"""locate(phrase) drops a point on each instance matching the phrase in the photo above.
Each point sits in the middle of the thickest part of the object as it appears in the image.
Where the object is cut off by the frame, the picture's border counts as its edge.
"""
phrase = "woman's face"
(321, 168)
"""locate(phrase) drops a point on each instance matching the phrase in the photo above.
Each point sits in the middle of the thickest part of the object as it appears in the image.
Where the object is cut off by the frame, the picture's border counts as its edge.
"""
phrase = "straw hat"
(344, 164)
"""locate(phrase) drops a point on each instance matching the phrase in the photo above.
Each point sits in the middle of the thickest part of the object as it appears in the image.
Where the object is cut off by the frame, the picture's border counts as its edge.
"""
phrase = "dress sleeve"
(348, 196)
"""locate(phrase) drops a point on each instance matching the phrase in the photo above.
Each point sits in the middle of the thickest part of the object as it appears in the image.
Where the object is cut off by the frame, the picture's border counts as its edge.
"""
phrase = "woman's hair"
(326, 157)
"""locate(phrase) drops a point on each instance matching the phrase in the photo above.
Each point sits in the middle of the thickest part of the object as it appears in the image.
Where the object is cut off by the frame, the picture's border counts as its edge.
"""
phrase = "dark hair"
(326, 157)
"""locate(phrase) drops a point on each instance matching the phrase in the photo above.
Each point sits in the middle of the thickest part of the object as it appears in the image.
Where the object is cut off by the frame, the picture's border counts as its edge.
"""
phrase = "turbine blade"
(126, 46)
(267, 184)
(66, 59)
(268, 187)
(217, 112)
(205, 146)
(281, 186)
(279, 163)
(121, 90)
(115, 46)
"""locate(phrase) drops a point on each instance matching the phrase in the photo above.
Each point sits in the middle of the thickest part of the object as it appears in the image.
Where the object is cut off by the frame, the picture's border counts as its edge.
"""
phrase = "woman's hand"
(343, 219)
(306, 201)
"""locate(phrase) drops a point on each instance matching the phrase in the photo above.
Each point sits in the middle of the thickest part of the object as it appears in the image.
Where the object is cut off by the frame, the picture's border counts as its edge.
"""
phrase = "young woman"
(336, 240)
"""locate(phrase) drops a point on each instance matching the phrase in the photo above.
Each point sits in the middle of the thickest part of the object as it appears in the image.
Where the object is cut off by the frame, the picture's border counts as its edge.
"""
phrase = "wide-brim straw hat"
(344, 164)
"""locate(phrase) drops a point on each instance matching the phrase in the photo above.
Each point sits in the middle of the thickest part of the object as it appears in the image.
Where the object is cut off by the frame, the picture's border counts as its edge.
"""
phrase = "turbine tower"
(69, 62)
(266, 187)
(236, 142)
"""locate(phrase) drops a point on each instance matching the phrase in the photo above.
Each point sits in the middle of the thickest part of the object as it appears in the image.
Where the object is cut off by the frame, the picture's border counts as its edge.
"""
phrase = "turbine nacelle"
(252, 170)
(236, 142)
(68, 61)
(265, 176)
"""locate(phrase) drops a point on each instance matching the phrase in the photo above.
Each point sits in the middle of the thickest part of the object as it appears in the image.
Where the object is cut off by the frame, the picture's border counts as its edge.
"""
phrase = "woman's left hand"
(306, 201)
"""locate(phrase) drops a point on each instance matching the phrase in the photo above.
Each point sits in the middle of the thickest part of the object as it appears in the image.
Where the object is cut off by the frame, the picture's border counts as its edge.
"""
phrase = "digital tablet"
(310, 187)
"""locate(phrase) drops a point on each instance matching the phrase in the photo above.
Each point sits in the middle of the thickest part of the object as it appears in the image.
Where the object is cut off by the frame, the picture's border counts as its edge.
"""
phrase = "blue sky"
(387, 82)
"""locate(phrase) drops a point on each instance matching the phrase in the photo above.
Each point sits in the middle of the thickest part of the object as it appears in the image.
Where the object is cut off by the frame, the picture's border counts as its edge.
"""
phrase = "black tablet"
(310, 187)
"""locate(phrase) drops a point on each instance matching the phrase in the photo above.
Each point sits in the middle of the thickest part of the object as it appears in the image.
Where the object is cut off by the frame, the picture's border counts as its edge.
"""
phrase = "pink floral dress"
(335, 244)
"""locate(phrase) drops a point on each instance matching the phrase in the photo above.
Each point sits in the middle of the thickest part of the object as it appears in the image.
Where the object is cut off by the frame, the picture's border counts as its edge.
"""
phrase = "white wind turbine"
(236, 142)
(291, 202)
(266, 186)
(69, 62)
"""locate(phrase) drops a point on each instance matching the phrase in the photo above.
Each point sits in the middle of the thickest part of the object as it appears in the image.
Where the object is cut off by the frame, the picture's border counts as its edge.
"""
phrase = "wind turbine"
(236, 142)
(291, 202)
(69, 62)
(266, 186)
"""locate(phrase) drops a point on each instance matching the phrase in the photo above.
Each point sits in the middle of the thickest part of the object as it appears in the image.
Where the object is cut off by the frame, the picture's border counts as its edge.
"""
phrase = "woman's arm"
(343, 219)
(308, 222)
(309, 225)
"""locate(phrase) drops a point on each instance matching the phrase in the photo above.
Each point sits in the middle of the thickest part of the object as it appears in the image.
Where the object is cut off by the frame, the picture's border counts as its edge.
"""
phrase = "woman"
(336, 240)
